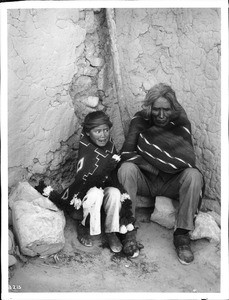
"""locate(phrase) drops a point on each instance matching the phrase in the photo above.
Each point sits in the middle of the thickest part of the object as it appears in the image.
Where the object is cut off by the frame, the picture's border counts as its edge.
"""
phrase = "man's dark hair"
(157, 91)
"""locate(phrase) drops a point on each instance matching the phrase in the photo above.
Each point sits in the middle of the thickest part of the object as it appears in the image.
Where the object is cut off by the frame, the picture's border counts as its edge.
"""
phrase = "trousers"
(186, 187)
(110, 199)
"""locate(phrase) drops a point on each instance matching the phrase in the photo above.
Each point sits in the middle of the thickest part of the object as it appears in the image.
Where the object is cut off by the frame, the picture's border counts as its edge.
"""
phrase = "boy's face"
(100, 135)
(161, 112)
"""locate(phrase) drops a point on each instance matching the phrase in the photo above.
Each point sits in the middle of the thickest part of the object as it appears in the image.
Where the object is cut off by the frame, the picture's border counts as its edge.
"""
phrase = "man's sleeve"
(129, 149)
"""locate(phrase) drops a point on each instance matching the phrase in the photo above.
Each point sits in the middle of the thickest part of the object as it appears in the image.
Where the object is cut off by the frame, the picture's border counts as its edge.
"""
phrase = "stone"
(209, 204)
(164, 212)
(11, 242)
(11, 249)
(216, 217)
(38, 224)
(206, 227)
(24, 191)
(96, 61)
(11, 260)
(90, 22)
(92, 101)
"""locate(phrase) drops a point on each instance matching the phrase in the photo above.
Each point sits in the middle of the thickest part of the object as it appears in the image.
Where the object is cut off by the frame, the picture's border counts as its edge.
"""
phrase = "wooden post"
(124, 114)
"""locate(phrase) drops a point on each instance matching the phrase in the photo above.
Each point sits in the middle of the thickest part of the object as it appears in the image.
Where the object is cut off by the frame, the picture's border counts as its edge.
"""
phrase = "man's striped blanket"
(168, 148)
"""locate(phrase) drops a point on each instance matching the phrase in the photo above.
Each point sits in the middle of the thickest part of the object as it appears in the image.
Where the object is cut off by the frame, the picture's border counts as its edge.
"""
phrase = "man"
(159, 160)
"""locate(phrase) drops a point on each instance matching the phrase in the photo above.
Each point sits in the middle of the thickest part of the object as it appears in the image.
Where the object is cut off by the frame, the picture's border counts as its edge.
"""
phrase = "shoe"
(114, 242)
(183, 249)
(84, 236)
(131, 247)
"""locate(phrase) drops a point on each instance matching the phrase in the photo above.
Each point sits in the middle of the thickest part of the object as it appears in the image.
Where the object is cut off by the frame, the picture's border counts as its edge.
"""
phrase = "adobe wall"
(180, 47)
(60, 68)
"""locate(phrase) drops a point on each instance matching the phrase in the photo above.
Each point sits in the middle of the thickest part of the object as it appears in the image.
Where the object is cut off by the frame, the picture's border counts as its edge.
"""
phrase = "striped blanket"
(168, 149)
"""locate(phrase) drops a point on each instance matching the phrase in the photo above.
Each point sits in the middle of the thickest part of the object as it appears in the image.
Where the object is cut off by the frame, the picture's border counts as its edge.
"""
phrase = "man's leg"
(187, 185)
(133, 180)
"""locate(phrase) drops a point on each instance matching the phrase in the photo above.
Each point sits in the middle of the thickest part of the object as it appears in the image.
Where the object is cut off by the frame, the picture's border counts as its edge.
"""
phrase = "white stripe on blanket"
(163, 151)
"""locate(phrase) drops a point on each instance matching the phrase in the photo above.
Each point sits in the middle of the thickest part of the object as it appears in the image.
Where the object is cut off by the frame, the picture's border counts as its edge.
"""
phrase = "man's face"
(100, 135)
(161, 112)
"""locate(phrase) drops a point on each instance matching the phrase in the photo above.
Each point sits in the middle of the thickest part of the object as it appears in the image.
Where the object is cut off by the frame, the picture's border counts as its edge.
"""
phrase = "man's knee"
(126, 169)
(194, 176)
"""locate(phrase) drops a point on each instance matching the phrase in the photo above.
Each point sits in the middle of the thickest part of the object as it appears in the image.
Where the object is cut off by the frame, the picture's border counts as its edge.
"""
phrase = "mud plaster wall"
(60, 68)
(180, 47)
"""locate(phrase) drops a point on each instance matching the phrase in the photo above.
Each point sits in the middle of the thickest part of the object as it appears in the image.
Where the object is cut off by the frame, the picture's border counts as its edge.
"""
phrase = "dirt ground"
(96, 269)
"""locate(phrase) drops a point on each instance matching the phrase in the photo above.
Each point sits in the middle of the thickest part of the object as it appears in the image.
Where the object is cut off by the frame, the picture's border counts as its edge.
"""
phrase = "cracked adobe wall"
(60, 68)
(58, 65)
(180, 47)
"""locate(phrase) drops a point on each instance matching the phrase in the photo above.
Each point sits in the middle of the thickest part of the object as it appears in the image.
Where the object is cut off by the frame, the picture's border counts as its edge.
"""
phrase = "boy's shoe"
(84, 236)
(114, 242)
(183, 249)
(130, 245)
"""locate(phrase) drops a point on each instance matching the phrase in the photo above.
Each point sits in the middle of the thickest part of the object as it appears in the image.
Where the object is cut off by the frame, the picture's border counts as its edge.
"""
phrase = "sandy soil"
(96, 269)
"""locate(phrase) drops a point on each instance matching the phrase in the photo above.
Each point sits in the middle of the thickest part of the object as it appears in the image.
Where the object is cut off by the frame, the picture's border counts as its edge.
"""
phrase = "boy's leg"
(112, 206)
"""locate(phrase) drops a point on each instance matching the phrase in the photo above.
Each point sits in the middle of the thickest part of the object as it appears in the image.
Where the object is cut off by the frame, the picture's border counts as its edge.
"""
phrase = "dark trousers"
(186, 187)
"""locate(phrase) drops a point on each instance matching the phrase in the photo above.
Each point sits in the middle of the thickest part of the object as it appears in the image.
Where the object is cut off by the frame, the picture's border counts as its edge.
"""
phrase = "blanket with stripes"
(168, 148)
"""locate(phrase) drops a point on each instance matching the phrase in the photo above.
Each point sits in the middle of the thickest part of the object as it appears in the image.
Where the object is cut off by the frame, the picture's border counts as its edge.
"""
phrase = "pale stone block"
(38, 224)
(96, 61)
(11, 260)
(206, 227)
(164, 212)
(92, 101)
(90, 23)
(23, 191)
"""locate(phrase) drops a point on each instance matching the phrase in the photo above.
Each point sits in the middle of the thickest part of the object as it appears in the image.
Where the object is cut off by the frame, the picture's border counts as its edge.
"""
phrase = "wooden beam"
(124, 114)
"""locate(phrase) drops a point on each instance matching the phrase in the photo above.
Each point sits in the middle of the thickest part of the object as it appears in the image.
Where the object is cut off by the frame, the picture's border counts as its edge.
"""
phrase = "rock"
(38, 224)
(216, 217)
(25, 192)
(92, 101)
(11, 249)
(11, 260)
(209, 204)
(205, 227)
(96, 61)
(164, 212)
(11, 242)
